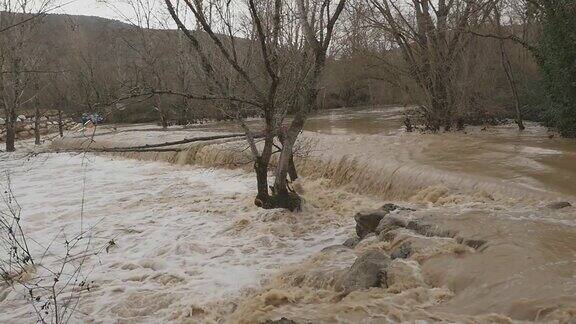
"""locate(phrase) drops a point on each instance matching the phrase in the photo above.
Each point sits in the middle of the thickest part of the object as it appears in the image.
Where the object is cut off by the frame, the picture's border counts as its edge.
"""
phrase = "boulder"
(401, 252)
(559, 205)
(403, 275)
(388, 224)
(367, 271)
(2, 121)
(367, 241)
(367, 222)
(351, 242)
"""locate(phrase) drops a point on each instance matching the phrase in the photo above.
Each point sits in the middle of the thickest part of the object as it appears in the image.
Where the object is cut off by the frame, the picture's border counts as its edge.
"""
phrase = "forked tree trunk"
(292, 172)
(284, 197)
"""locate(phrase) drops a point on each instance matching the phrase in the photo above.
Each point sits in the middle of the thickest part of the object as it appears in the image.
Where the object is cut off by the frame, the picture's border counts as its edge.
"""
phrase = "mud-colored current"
(533, 158)
(492, 185)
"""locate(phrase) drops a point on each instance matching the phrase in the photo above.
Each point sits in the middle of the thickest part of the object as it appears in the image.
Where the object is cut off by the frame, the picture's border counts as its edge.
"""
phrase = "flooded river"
(491, 186)
(530, 158)
(535, 159)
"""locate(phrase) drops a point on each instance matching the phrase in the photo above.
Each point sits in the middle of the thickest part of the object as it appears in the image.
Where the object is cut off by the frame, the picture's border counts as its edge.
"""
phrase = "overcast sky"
(92, 8)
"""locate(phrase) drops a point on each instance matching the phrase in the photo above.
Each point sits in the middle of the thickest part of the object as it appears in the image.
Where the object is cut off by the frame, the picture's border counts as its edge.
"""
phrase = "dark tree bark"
(161, 111)
(507, 66)
(10, 131)
(60, 124)
(36, 117)
(262, 197)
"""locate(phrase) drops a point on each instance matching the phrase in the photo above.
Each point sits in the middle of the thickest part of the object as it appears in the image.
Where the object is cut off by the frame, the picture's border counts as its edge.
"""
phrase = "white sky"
(92, 8)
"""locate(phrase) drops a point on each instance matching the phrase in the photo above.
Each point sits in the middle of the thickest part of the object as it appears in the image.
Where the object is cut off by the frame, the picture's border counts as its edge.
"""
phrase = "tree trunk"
(507, 66)
(185, 113)
(282, 195)
(292, 173)
(285, 198)
(37, 125)
(10, 131)
(60, 124)
(36, 113)
(262, 197)
(292, 169)
(510, 77)
(161, 112)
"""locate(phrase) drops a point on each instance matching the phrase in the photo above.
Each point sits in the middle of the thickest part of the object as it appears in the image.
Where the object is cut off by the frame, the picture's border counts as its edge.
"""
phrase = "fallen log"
(184, 141)
(157, 147)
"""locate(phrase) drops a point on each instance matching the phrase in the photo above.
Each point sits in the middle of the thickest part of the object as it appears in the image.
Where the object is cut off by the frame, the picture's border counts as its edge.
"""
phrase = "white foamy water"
(184, 237)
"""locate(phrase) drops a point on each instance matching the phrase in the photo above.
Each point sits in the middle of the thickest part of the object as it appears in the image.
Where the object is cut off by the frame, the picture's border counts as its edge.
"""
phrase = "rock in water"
(283, 320)
(351, 242)
(403, 275)
(367, 222)
(367, 271)
(402, 252)
(559, 205)
(475, 244)
(336, 247)
(388, 224)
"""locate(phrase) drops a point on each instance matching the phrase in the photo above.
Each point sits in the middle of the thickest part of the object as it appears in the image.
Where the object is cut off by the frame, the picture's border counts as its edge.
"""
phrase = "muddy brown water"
(527, 269)
(535, 158)
(529, 158)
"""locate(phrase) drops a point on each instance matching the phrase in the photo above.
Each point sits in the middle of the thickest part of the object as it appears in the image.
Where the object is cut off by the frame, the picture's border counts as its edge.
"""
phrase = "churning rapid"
(481, 228)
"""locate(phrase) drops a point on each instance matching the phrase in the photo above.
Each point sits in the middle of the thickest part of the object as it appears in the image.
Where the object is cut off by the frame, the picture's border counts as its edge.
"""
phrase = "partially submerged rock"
(475, 244)
(388, 224)
(559, 205)
(403, 275)
(336, 247)
(367, 271)
(367, 222)
(282, 320)
(403, 251)
(351, 242)
(367, 241)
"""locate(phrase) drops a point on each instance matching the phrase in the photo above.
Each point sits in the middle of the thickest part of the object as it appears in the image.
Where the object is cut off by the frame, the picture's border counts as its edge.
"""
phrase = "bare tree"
(507, 66)
(430, 38)
(276, 71)
(149, 60)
